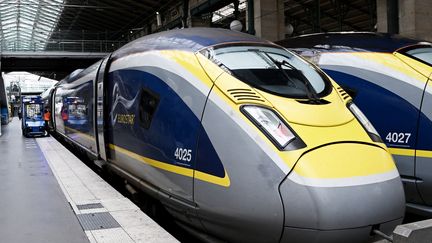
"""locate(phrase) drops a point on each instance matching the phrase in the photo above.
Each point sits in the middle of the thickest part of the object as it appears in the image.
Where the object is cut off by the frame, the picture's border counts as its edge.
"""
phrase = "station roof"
(31, 25)
(28, 24)
(104, 25)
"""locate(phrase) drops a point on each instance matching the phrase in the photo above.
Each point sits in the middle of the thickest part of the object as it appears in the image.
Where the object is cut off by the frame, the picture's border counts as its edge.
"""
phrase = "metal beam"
(209, 6)
(327, 15)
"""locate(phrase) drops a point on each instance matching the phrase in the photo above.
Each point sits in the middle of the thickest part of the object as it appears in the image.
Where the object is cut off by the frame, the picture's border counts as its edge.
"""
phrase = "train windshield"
(271, 69)
(421, 53)
(33, 111)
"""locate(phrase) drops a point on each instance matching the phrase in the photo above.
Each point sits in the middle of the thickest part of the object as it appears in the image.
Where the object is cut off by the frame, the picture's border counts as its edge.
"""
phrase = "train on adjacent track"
(239, 139)
(389, 78)
(32, 116)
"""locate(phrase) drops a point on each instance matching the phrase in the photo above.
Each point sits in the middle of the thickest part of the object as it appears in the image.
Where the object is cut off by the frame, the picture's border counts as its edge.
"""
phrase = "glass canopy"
(228, 10)
(26, 25)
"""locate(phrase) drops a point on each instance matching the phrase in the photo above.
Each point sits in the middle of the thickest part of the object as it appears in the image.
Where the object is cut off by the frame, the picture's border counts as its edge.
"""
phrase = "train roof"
(189, 39)
(354, 41)
(31, 98)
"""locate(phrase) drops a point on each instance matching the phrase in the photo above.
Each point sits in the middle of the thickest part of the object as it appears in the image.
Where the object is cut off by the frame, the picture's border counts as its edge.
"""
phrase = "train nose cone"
(339, 192)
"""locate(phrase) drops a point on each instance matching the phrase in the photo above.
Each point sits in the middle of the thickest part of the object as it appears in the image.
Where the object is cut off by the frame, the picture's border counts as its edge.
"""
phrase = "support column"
(414, 19)
(269, 19)
(392, 17)
(387, 16)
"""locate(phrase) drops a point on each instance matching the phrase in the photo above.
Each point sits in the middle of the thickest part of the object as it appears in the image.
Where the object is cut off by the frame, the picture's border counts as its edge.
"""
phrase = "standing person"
(47, 115)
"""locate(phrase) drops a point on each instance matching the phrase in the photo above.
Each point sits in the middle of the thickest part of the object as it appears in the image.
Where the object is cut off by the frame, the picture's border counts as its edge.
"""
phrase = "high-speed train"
(240, 139)
(389, 78)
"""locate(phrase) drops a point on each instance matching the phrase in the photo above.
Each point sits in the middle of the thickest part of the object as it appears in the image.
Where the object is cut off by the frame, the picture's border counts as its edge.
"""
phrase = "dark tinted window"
(148, 105)
(271, 69)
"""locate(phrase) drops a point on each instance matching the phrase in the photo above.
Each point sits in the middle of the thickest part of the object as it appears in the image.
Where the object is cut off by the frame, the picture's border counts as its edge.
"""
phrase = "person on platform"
(47, 115)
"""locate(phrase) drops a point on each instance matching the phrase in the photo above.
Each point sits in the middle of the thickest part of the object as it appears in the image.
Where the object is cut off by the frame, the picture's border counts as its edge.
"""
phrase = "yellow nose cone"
(332, 114)
(349, 161)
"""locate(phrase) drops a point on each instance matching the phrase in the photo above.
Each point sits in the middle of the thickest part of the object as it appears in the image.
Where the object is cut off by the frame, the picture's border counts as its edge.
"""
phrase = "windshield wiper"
(311, 93)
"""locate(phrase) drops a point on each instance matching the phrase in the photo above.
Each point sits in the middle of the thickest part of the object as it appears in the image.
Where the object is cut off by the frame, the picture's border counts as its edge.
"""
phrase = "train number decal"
(183, 154)
(398, 137)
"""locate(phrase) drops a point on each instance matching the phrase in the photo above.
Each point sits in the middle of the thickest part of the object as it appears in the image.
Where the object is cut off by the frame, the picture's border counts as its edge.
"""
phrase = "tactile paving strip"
(95, 221)
(89, 206)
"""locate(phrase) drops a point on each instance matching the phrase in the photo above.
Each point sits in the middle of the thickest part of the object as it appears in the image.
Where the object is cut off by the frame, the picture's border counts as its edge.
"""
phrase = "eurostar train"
(389, 79)
(239, 139)
(31, 115)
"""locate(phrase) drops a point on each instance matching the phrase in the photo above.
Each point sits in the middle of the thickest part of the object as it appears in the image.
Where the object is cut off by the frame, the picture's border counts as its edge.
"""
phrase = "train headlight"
(270, 124)
(373, 134)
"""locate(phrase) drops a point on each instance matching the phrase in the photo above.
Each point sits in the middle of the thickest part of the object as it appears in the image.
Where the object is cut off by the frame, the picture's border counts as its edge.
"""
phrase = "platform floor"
(49, 195)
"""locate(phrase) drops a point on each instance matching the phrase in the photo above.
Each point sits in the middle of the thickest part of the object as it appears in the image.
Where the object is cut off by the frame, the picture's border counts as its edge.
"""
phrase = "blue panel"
(207, 159)
(4, 115)
(174, 125)
(387, 111)
(425, 131)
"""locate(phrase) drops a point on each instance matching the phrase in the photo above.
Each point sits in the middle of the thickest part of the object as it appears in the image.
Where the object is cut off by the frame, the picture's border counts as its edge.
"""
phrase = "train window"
(422, 53)
(271, 69)
(148, 105)
(78, 110)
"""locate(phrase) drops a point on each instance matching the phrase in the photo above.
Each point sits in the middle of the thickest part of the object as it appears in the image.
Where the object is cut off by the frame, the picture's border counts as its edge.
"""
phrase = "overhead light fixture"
(158, 19)
(236, 25)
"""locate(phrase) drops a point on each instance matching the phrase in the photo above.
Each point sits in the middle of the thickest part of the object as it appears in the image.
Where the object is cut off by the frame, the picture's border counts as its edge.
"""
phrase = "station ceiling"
(104, 25)
(34, 25)
(312, 16)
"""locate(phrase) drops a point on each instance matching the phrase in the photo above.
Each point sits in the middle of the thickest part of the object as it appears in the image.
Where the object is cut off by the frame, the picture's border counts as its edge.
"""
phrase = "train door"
(53, 108)
(100, 109)
(424, 147)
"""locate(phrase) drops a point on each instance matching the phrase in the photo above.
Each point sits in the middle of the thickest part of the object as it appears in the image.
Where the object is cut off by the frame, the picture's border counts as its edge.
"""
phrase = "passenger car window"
(148, 105)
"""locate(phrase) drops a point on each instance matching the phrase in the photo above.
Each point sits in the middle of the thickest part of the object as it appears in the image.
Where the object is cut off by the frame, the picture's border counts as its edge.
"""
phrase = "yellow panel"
(343, 161)
(332, 114)
(212, 70)
(390, 61)
(317, 136)
(424, 69)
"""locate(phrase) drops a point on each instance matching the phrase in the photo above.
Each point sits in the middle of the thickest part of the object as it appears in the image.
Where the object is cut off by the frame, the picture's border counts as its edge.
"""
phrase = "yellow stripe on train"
(411, 152)
(225, 181)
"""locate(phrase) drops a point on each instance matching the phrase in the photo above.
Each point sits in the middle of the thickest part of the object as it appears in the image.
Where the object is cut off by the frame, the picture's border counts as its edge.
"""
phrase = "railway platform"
(49, 195)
